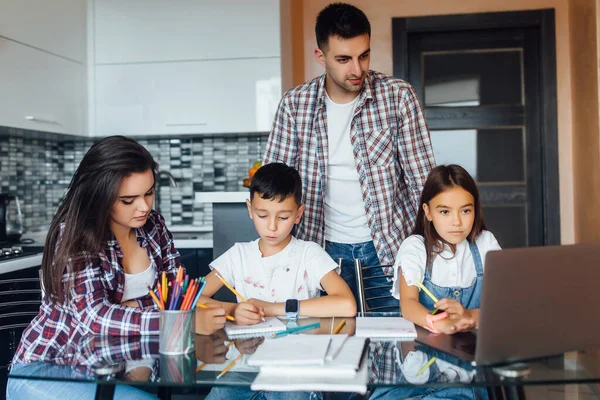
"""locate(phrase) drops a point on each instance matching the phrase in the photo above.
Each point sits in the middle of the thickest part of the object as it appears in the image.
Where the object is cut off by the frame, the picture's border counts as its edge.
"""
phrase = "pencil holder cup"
(177, 331)
(178, 368)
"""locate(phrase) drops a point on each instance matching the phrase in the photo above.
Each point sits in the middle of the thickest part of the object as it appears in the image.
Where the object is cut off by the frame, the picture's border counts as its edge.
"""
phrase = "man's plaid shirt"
(392, 152)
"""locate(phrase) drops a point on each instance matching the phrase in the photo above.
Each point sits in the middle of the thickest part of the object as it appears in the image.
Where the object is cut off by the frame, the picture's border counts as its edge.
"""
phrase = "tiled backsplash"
(38, 168)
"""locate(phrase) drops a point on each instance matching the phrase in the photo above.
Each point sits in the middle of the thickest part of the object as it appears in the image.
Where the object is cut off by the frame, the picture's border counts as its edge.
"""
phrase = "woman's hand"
(454, 309)
(450, 327)
(247, 314)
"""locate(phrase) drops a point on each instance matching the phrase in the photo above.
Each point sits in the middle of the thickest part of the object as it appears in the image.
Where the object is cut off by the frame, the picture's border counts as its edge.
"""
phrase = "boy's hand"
(247, 314)
(454, 309)
(210, 319)
(263, 306)
(248, 346)
(211, 349)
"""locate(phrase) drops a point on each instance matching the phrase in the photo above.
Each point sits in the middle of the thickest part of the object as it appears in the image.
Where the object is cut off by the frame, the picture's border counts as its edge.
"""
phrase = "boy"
(277, 273)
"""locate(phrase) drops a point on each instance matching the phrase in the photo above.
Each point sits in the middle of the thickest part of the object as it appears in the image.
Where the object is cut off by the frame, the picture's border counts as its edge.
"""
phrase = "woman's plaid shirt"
(94, 307)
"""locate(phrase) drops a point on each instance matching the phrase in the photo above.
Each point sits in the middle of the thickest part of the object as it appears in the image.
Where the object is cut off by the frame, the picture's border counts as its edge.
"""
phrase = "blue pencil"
(197, 298)
(300, 328)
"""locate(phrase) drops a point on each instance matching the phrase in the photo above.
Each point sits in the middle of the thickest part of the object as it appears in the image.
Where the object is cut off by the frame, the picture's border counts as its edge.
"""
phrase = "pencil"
(431, 361)
(202, 305)
(224, 282)
(297, 329)
(428, 293)
(339, 327)
(231, 364)
(155, 298)
(165, 289)
(201, 366)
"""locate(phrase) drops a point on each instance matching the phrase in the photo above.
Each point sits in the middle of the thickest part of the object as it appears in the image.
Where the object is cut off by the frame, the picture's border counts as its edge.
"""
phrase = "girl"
(104, 246)
(445, 254)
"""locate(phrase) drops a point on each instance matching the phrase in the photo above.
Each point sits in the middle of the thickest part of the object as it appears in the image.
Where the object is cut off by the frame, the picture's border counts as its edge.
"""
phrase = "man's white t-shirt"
(345, 215)
(293, 273)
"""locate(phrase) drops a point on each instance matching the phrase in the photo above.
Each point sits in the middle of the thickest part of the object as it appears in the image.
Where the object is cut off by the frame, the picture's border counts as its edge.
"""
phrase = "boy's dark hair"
(340, 19)
(276, 181)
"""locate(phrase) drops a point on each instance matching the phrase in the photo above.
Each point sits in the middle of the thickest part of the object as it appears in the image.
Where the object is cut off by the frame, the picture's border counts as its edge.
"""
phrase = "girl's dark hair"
(342, 20)
(441, 178)
(84, 212)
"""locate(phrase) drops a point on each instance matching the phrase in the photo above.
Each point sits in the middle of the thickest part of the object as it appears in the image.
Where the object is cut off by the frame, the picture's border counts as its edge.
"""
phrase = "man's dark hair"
(276, 181)
(340, 19)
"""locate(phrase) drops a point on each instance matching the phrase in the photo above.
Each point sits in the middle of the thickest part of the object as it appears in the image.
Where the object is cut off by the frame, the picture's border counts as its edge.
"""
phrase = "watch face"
(291, 306)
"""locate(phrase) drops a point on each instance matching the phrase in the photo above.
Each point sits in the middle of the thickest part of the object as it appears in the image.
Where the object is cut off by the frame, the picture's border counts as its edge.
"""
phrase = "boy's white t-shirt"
(293, 273)
(448, 270)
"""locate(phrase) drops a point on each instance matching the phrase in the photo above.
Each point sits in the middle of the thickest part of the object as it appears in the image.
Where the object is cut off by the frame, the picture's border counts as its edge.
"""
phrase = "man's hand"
(247, 314)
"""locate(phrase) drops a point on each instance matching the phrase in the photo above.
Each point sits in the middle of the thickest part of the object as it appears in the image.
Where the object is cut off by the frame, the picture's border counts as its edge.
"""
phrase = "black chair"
(364, 294)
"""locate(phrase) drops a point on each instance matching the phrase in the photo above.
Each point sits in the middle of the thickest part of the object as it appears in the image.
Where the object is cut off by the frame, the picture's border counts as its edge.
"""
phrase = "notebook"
(271, 325)
(292, 350)
(385, 327)
(286, 380)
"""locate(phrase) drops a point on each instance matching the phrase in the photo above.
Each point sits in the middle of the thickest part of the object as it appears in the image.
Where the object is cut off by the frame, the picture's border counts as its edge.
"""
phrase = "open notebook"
(385, 327)
(271, 325)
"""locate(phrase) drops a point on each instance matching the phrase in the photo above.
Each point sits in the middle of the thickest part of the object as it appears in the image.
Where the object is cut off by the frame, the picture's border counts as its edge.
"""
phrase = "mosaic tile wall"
(38, 169)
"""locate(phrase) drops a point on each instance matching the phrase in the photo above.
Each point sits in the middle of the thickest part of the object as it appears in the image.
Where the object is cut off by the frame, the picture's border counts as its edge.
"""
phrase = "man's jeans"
(366, 253)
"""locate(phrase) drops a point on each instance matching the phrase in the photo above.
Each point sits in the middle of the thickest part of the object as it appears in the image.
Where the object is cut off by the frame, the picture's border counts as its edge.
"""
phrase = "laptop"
(536, 302)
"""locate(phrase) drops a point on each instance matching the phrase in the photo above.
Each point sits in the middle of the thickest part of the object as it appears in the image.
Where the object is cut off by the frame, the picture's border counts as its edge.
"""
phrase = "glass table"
(397, 365)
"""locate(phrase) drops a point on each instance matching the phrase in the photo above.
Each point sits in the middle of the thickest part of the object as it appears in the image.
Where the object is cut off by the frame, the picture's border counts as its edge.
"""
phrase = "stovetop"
(11, 252)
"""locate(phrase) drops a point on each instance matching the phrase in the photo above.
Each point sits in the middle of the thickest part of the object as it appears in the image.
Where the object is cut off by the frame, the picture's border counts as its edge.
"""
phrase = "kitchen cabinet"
(212, 96)
(20, 299)
(40, 91)
(57, 27)
(136, 31)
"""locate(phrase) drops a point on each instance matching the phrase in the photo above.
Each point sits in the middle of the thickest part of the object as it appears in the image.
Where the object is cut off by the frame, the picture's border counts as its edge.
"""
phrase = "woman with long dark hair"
(104, 247)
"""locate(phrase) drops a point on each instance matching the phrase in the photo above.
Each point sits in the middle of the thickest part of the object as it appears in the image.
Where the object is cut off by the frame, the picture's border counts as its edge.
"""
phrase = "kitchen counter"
(222, 197)
(185, 237)
(20, 263)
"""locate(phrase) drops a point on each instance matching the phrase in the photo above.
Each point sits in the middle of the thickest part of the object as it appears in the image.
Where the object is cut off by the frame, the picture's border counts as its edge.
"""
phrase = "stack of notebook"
(311, 362)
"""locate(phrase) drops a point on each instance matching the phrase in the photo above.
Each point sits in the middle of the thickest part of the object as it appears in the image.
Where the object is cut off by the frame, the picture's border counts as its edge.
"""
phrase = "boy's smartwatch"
(292, 307)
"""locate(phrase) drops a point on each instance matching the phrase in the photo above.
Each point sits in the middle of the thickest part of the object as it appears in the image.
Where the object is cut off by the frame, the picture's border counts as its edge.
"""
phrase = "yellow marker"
(339, 327)
(201, 366)
(431, 361)
(164, 288)
(231, 364)
(428, 293)
(202, 305)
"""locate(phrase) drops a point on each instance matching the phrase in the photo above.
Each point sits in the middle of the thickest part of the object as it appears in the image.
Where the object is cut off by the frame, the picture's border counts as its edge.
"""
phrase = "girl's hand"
(210, 319)
(454, 309)
(247, 314)
(446, 326)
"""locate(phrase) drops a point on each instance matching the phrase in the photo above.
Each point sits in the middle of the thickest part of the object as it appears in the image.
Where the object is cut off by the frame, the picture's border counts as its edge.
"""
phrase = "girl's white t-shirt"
(448, 270)
(293, 273)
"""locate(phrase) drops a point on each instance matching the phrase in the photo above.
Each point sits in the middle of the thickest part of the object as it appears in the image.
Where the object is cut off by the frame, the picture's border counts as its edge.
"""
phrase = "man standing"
(362, 147)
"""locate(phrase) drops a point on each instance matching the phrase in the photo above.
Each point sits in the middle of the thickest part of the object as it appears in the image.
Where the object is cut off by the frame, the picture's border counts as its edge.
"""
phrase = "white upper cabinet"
(133, 31)
(40, 91)
(212, 96)
(55, 26)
